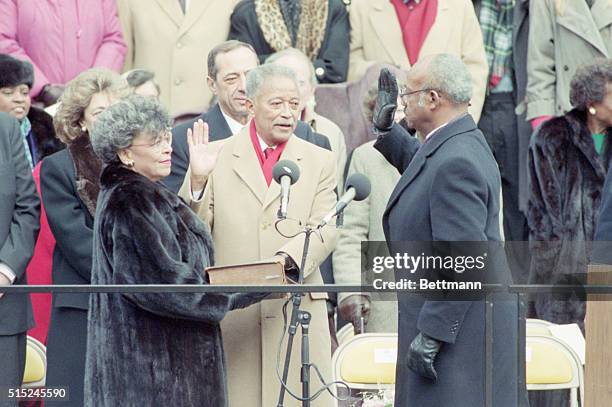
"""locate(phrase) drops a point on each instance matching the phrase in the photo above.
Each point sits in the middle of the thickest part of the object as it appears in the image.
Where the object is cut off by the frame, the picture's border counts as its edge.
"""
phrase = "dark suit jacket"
(449, 191)
(19, 223)
(218, 130)
(334, 53)
(72, 226)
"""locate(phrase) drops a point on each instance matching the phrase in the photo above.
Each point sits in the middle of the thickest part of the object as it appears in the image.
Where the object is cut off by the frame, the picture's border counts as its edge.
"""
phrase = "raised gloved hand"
(386, 102)
(354, 307)
(422, 354)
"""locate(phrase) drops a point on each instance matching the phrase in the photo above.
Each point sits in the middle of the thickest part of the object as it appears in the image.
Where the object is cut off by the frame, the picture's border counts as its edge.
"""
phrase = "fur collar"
(572, 128)
(88, 168)
(311, 30)
(136, 188)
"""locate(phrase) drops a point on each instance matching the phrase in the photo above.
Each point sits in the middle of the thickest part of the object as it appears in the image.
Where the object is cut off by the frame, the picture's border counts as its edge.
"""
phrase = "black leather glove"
(353, 308)
(386, 102)
(422, 354)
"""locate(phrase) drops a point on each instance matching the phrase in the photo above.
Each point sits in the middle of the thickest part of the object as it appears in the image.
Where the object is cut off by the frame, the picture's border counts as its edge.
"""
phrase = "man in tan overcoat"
(172, 39)
(240, 202)
(377, 36)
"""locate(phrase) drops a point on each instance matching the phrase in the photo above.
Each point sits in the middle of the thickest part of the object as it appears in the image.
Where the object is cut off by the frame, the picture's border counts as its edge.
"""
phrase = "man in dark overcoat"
(449, 191)
(19, 223)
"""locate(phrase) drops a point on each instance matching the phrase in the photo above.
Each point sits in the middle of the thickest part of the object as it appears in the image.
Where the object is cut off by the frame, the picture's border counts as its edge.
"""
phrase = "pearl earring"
(84, 129)
(592, 110)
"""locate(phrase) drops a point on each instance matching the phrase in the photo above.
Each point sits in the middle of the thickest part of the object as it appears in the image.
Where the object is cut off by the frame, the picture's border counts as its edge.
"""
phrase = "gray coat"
(449, 191)
(561, 39)
(363, 222)
(19, 223)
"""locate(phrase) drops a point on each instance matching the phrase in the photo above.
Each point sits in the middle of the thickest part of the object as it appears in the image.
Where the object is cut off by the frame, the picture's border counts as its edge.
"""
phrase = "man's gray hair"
(294, 52)
(588, 84)
(256, 77)
(449, 75)
(116, 127)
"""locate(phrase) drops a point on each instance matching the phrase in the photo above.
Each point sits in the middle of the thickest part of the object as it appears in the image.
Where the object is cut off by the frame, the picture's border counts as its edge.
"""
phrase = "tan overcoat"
(376, 36)
(175, 46)
(241, 210)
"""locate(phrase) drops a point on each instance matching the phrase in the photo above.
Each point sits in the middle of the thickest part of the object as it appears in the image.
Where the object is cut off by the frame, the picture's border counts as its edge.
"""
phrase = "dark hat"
(14, 72)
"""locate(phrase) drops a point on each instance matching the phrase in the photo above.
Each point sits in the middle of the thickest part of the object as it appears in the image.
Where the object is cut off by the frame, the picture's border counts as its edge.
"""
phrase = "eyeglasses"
(404, 95)
(159, 142)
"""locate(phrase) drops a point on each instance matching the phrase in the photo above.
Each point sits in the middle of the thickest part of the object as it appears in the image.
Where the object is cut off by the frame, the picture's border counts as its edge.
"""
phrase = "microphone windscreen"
(361, 184)
(286, 167)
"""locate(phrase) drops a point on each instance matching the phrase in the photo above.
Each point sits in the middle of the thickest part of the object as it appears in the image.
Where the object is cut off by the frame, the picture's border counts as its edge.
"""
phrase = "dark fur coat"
(566, 181)
(152, 349)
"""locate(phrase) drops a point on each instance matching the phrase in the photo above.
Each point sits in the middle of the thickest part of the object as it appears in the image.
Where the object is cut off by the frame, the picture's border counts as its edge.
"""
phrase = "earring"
(129, 164)
(84, 129)
(592, 110)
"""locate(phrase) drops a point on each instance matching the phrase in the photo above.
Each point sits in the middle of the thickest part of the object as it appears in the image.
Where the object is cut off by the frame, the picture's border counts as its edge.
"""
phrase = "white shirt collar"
(263, 144)
(234, 125)
(431, 133)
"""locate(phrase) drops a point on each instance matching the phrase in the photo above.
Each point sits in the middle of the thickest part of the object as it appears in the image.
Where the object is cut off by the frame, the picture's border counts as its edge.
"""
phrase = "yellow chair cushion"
(34, 368)
(538, 331)
(371, 362)
(547, 365)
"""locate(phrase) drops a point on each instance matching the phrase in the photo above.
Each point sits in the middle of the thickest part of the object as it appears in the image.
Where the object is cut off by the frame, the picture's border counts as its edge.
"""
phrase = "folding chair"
(366, 362)
(552, 365)
(35, 372)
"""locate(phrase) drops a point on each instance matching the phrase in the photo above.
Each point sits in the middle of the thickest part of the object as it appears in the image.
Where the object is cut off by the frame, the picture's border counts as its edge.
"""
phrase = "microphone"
(285, 173)
(357, 188)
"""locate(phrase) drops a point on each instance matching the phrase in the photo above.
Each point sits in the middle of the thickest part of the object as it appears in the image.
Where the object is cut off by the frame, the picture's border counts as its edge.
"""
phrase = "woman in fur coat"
(568, 159)
(150, 349)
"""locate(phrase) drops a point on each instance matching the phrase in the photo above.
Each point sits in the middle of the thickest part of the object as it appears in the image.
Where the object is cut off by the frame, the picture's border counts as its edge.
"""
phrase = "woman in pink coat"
(61, 39)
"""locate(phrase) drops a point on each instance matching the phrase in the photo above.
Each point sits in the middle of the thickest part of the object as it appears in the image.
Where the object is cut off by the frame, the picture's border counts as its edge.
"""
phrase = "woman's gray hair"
(116, 127)
(588, 84)
(257, 76)
(449, 75)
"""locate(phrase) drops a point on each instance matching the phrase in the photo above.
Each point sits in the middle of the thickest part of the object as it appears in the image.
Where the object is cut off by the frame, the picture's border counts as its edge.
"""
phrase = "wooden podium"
(598, 327)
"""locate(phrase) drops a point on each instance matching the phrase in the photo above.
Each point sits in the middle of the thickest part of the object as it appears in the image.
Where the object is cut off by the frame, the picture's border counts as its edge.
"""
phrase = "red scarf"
(415, 21)
(266, 163)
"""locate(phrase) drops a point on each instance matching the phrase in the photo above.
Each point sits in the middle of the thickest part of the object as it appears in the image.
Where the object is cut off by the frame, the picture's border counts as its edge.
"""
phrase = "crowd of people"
(138, 140)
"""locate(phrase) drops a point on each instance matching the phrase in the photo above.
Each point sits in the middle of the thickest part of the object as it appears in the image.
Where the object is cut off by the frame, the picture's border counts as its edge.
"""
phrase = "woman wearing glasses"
(150, 348)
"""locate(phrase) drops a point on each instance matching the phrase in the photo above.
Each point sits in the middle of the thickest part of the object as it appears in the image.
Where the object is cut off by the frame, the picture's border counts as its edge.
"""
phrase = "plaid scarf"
(496, 24)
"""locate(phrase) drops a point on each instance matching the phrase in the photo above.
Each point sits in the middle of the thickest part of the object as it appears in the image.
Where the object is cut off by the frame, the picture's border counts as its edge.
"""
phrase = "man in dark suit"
(19, 223)
(228, 64)
(449, 191)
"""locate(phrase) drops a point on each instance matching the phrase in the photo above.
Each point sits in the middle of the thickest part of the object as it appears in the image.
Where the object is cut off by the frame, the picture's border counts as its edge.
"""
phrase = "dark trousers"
(13, 351)
(499, 124)
(66, 347)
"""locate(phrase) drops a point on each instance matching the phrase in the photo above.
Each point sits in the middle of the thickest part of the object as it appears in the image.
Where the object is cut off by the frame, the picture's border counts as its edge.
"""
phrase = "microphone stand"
(303, 318)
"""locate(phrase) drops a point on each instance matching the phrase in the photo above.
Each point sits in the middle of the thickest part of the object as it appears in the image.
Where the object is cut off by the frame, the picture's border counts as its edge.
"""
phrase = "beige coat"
(329, 129)
(561, 38)
(363, 222)
(376, 36)
(241, 211)
(175, 46)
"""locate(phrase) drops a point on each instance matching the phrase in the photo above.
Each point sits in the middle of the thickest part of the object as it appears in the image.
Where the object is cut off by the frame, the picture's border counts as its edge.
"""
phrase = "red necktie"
(267, 152)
